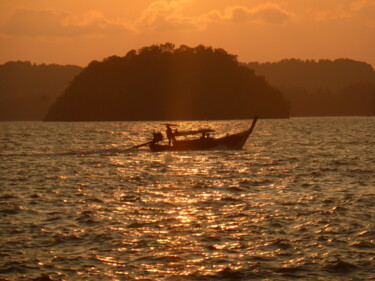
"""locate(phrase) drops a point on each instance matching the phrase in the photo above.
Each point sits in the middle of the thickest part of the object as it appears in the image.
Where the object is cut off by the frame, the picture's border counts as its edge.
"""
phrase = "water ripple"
(296, 203)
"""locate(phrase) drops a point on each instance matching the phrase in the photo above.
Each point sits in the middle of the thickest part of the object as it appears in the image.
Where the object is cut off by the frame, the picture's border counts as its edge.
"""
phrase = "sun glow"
(92, 30)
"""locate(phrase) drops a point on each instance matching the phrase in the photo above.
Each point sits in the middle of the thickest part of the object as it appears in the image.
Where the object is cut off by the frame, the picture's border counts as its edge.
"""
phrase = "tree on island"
(162, 82)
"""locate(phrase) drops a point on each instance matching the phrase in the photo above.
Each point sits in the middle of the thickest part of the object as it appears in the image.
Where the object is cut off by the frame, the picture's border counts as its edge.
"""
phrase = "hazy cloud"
(266, 13)
(365, 10)
(360, 10)
(359, 5)
(158, 16)
(50, 23)
(164, 15)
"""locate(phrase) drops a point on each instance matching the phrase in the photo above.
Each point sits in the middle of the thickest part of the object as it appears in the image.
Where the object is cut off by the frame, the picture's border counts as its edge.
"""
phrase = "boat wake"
(104, 152)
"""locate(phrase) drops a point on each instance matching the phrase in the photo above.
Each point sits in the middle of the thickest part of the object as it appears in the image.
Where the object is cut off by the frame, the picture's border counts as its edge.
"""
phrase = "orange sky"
(79, 31)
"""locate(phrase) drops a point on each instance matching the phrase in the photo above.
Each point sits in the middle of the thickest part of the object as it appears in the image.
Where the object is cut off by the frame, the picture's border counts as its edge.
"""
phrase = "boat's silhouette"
(205, 142)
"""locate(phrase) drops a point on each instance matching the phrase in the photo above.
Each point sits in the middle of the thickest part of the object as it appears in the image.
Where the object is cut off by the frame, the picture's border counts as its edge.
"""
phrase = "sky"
(79, 31)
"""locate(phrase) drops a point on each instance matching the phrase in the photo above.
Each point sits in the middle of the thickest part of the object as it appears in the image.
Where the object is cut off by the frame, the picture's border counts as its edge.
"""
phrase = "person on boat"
(157, 137)
(169, 134)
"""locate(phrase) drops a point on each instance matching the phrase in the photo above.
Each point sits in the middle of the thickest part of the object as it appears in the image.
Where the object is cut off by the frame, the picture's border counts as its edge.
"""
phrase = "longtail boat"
(205, 142)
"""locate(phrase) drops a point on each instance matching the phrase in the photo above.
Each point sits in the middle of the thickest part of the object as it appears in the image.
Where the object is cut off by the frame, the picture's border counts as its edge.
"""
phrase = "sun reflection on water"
(177, 222)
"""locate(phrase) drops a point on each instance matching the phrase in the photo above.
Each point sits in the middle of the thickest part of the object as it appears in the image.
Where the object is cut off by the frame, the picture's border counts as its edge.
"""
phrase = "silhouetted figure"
(169, 134)
(157, 137)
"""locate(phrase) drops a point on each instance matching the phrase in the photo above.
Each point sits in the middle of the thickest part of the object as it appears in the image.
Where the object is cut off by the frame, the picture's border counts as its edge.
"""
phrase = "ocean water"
(298, 202)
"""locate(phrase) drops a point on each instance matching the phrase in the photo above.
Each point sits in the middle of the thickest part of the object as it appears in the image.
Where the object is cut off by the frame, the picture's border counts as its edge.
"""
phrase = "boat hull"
(232, 142)
(206, 144)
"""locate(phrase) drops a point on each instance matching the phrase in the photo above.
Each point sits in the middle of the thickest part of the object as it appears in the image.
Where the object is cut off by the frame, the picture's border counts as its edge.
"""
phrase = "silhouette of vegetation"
(162, 82)
(28, 90)
(342, 87)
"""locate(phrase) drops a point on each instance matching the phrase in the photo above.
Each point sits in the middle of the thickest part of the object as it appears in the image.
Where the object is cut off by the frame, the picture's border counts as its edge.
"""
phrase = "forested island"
(27, 90)
(341, 87)
(162, 82)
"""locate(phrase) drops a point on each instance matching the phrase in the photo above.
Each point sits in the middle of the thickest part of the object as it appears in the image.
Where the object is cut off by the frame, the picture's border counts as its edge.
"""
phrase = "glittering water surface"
(298, 202)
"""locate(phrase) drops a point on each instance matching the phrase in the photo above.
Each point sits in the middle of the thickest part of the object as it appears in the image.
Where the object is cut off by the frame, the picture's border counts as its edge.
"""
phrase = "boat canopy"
(195, 132)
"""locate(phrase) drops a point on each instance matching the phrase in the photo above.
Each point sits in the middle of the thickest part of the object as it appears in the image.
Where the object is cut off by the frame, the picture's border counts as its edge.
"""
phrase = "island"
(27, 90)
(163, 82)
(340, 87)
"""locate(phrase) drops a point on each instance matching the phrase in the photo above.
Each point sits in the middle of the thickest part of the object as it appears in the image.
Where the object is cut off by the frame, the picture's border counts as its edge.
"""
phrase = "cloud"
(359, 5)
(361, 11)
(160, 15)
(365, 10)
(50, 23)
(267, 13)
(164, 15)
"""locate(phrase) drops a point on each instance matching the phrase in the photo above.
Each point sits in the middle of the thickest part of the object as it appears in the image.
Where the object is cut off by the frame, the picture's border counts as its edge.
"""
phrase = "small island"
(27, 90)
(162, 82)
(340, 87)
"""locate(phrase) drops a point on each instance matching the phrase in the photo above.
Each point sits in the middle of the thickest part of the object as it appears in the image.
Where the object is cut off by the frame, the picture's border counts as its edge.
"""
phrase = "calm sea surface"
(298, 202)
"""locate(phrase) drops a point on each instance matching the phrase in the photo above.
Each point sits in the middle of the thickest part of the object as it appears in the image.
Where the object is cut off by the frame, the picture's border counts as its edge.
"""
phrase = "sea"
(296, 203)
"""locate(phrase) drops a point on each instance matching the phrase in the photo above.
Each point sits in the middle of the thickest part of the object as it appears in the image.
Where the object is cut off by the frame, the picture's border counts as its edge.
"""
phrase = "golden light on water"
(173, 216)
